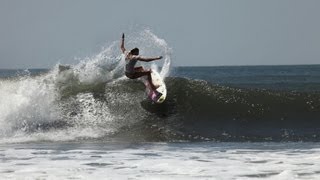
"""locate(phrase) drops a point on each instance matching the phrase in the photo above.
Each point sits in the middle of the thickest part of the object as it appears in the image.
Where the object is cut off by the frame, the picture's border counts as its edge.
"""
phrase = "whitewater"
(88, 121)
(35, 107)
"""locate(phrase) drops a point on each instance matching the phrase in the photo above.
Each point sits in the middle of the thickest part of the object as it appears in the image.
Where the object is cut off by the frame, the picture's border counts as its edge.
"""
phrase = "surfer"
(132, 57)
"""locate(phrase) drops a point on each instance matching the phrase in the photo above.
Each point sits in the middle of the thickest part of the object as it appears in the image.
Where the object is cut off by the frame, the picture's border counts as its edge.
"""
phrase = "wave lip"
(74, 100)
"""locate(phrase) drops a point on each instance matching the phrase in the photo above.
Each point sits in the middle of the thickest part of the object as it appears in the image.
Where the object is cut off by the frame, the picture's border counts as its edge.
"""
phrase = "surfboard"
(155, 95)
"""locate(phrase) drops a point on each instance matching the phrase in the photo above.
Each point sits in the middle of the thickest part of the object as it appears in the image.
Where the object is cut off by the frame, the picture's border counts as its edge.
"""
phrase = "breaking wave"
(92, 101)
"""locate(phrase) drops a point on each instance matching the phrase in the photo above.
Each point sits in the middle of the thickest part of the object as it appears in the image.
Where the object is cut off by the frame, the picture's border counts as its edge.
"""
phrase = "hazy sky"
(39, 33)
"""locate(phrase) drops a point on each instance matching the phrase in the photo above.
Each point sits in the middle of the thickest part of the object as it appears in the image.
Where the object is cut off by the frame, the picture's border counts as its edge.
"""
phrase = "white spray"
(29, 102)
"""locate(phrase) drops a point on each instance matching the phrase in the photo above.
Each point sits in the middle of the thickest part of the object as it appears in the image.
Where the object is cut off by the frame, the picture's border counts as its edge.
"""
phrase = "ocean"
(88, 121)
(237, 122)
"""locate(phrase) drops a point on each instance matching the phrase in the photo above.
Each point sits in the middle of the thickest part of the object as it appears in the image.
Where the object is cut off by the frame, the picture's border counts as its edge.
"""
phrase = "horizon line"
(191, 66)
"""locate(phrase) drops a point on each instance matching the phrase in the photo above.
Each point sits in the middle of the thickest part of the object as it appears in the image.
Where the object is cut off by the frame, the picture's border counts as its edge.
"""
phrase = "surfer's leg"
(141, 73)
(139, 69)
(153, 87)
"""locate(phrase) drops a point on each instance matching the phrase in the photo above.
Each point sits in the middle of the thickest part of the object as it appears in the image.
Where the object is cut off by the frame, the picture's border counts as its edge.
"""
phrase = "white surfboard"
(157, 81)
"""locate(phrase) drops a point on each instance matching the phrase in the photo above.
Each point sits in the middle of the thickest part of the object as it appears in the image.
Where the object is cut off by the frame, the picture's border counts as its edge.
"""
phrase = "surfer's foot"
(158, 95)
(156, 87)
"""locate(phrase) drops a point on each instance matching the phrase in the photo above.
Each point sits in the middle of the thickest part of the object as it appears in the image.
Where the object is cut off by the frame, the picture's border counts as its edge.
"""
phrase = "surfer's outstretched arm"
(148, 59)
(122, 44)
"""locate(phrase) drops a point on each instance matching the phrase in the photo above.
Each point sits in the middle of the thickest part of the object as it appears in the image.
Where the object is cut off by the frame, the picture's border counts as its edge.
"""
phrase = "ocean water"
(123, 160)
(88, 121)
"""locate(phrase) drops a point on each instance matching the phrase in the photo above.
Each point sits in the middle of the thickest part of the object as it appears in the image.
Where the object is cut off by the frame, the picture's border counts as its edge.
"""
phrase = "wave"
(198, 110)
(194, 110)
(61, 104)
(92, 101)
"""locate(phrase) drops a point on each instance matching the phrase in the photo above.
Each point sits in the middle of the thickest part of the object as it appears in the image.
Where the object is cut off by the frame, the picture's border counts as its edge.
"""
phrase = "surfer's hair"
(134, 51)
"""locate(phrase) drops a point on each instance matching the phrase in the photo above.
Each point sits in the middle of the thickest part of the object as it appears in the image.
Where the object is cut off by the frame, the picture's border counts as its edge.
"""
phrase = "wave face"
(92, 101)
(221, 113)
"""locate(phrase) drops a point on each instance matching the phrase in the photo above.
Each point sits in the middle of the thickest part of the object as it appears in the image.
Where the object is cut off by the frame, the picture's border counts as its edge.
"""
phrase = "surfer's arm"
(148, 59)
(122, 44)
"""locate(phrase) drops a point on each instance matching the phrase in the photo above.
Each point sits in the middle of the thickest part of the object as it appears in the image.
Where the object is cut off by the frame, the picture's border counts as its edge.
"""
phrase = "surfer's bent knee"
(130, 75)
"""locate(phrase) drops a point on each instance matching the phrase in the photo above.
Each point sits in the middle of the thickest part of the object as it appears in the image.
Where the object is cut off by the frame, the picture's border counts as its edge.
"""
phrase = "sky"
(40, 33)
